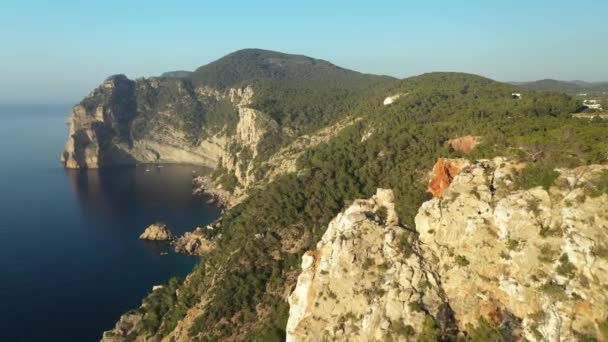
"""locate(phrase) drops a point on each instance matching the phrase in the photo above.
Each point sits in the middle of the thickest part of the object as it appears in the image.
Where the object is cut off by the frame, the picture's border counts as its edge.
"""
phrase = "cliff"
(161, 120)
(489, 260)
(366, 281)
(242, 115)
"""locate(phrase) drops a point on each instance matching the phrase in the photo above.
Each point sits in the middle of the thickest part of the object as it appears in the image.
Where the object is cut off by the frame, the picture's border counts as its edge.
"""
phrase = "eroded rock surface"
(490, 258)
(365, 281)
(532, 261)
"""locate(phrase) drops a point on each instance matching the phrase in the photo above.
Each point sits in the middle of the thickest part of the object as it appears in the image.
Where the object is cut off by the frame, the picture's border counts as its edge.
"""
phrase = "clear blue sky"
(59, 50)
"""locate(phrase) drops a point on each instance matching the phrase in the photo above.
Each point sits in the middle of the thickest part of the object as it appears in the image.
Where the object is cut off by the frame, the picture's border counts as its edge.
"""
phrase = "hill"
(250, 65)
(571, 87)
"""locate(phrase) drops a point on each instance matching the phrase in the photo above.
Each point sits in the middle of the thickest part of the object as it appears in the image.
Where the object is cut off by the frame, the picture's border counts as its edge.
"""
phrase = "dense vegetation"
(300, 93)
(241, 67)
(244, 281)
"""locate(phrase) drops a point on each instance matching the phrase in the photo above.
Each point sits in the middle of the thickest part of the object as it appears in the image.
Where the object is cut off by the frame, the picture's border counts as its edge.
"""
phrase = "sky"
(57, 51)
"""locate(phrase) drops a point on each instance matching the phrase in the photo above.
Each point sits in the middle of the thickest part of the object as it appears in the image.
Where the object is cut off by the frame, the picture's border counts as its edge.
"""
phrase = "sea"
(70, 259)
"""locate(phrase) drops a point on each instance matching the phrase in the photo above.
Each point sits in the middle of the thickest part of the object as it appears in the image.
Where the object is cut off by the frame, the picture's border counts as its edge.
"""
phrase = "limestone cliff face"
(533, 259)
(163, 120)
(530, 263)
(365, 281)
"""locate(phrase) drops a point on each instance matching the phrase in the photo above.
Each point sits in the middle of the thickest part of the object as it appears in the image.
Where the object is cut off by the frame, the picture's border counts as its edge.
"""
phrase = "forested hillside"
(238, 291)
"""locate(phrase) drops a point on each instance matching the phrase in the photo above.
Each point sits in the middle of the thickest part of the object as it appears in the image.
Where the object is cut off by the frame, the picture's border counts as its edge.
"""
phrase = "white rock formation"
(534, 255)
(364, 282)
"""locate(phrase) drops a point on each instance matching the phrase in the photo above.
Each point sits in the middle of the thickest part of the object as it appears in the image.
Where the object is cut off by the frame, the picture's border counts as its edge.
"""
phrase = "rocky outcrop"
(365, 281)
(489, 260)
(532, 261)
(193, 243)
(127, 325)
(157, 232)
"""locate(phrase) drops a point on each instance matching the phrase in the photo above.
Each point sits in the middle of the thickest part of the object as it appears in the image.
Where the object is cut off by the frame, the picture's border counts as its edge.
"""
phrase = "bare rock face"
(157, 232)
(443, 173)
(161, 120)
(365, 281)
(489, 259)
(193, 243)
(533, 262)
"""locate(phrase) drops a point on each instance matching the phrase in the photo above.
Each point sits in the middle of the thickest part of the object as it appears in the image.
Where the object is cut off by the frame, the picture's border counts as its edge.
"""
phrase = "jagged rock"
(443, 173)
(364, 281)
(158, 232)
(530, 261)
(193, 243)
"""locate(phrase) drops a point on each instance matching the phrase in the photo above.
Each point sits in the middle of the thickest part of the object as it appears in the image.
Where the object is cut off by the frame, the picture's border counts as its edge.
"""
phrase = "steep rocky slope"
(366, 281)
(489, 259)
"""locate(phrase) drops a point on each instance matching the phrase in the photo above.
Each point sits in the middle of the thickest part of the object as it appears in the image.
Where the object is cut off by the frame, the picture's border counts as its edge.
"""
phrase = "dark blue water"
(70, 259)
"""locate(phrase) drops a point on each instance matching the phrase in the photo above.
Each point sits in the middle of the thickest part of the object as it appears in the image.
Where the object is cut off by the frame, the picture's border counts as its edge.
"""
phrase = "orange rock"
(444, 172)
(464, 144)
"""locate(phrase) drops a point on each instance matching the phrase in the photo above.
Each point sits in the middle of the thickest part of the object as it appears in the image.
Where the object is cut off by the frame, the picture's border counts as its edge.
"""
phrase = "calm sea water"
(70, 259)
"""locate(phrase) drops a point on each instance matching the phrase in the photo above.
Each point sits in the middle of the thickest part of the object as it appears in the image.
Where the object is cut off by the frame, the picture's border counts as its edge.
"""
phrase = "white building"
(516, 95)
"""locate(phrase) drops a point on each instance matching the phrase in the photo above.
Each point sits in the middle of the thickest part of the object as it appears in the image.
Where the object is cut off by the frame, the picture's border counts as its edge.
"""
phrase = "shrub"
(430, 331)
(405, 246)
(462, 261)
(512, 244)
(597, 186)
(484, 331)
(535, 175)
(402, 329)
(554, 290)
(566, 268)
(547, 254)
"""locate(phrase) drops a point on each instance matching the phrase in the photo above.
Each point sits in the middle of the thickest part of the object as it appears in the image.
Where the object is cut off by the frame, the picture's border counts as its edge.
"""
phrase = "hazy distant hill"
(177, 74)
(564, 86)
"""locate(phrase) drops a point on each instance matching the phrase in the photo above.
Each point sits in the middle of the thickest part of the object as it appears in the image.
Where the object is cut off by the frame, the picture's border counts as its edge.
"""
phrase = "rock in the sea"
(157, 232)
